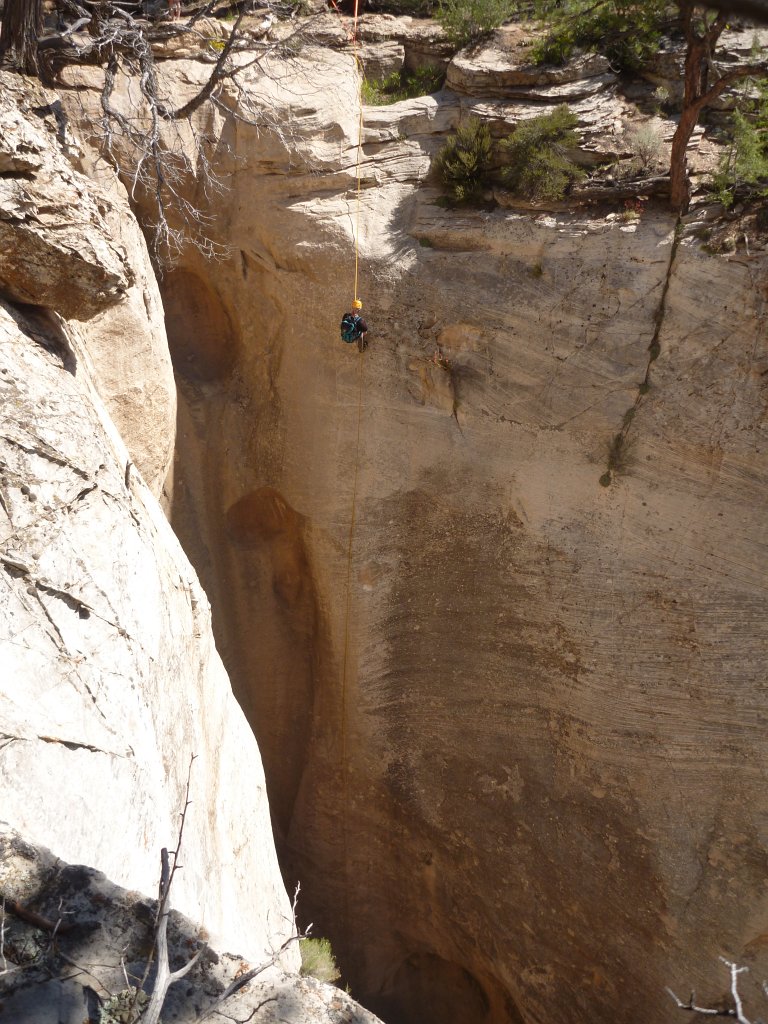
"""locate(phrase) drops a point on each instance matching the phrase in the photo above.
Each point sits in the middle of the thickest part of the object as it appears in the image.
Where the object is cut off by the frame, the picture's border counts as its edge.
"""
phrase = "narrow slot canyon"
(253, 553)
(489, 596)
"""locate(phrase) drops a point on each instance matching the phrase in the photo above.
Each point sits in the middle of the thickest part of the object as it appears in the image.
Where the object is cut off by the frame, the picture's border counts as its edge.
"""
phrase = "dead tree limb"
(164, 977)
(737, 1011)
(33, 918)
(248, 976)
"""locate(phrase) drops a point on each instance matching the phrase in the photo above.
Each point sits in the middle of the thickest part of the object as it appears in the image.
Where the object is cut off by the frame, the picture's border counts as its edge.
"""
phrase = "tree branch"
(747, 71)
(243, 980)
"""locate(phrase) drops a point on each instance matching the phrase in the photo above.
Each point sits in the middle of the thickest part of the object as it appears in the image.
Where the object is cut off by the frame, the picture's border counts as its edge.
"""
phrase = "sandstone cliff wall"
(512, 721)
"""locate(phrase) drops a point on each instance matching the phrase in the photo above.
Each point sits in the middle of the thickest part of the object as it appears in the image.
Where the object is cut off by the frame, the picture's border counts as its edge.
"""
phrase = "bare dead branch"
(693, 1008)
(736, 1011)
(84, 970)
(251, 1015)
(735, 972)
(219, 73)
(164, 977)
(248, 976)
(3, 961)
(31, 917)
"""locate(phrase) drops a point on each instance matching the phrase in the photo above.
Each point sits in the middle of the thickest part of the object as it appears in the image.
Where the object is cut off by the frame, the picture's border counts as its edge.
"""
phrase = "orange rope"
(359, 69)
(350, 539)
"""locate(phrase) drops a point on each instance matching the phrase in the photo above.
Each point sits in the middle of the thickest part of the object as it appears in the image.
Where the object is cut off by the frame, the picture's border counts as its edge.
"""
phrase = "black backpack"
(350, 327)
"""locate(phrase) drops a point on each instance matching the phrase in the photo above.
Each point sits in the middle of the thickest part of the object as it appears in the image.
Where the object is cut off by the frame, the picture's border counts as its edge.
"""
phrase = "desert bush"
(628, 34)
(317, 960)
(400, 86)
(466, 20)
(745, 162)
(537, 151)
(646, 144)
(464, 160)
(663, 99)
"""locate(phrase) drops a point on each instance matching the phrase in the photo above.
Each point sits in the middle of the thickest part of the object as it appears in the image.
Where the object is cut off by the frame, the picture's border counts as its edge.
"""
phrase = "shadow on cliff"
(268, 535)
(72, 940)
(42, 326)
(247, 545)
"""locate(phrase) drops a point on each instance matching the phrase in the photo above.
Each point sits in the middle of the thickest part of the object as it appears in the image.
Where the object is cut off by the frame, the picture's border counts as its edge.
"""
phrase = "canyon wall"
(504, 669)
(110, 680)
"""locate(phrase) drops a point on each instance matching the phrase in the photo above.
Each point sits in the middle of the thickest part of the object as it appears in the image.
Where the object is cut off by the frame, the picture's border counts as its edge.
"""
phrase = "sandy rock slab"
(55, 249)
(76, 949)
(109, 679)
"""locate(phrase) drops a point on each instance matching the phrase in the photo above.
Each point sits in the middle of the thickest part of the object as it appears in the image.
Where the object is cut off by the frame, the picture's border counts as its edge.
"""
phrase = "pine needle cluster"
(464, 160)
(540, 167)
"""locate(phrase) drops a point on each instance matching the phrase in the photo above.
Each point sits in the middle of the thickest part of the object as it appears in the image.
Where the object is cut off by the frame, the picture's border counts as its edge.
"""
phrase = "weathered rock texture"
(512, 718)
(110, 681)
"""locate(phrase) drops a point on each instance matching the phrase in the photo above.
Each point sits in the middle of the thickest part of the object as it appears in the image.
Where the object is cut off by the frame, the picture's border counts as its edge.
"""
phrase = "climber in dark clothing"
(354, 328)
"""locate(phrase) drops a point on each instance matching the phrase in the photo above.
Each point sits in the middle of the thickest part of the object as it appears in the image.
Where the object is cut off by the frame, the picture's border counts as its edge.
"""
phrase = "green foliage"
(416, 8)
(646, 144)
(746, 161)
(400, 86)
(539, 167)
(464, 160)
(317, 960)
(467, 20)
(125, 1007)
(628, 33)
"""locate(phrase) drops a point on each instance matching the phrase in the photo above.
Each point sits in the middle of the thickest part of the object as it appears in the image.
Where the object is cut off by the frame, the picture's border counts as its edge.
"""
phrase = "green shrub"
(317, 960)
(539, 167)
(467, 20)
(416, 8)
(646, 143)
(746, 161)
(401, 86)
(627, 33)
(464, 160)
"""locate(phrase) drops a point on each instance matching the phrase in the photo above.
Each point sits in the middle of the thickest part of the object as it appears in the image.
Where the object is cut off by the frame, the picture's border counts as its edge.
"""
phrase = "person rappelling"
(354, 328)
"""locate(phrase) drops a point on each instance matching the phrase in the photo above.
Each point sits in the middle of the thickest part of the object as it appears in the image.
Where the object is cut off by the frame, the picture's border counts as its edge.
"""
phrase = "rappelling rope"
(349, 575)
(359, 154)
(353, 513)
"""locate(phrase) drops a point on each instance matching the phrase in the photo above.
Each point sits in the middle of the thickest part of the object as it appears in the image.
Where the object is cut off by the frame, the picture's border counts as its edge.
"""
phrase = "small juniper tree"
(627, 33)
(464, 160)
(745, 163)
(628, 30)
(540, 167)
(466, 20)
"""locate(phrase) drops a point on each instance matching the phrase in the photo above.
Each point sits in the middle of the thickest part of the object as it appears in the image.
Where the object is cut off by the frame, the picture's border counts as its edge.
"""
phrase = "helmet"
(357, 304)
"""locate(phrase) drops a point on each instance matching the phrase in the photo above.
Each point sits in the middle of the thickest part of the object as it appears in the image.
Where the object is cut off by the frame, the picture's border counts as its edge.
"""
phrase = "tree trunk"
(679, 187)
(698, 53)
(20, 28)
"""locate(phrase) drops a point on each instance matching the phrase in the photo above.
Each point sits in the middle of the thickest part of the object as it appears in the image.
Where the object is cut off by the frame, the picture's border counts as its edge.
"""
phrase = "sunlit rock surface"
(492, 594)
(110, 683)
